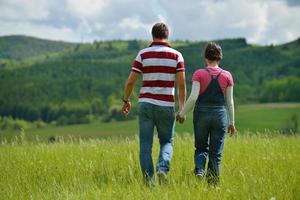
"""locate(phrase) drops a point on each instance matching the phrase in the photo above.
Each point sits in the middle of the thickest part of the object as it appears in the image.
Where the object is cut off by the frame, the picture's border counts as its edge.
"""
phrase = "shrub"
(15, 124)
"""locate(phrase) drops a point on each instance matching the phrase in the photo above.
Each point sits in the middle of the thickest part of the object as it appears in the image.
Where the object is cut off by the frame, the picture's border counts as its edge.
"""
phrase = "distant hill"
(67, 85)
(20, 47)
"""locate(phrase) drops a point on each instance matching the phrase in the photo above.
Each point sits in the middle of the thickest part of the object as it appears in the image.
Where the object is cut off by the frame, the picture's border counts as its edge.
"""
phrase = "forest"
(67, 83)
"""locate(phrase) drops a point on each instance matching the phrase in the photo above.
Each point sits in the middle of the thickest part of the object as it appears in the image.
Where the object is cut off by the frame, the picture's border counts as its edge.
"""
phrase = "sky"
(259, 21)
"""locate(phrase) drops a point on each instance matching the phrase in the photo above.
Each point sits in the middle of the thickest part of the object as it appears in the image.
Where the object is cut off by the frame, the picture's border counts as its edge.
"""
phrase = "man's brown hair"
(213, 52)
(160, 31)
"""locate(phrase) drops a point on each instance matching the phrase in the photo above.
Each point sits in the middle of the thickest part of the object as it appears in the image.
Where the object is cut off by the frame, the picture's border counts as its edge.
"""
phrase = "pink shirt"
(201, 75)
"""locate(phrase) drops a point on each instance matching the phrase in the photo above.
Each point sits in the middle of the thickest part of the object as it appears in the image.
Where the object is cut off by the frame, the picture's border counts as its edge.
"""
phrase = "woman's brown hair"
(213, 52)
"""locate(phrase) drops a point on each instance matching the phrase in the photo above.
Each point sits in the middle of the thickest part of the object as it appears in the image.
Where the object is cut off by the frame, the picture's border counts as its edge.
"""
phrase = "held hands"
(126, 108)
(180, 118)
(231, 130)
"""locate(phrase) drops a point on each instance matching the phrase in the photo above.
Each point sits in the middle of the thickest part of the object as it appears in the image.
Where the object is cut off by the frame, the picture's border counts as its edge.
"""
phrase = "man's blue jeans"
(163, 118)
(209, 129)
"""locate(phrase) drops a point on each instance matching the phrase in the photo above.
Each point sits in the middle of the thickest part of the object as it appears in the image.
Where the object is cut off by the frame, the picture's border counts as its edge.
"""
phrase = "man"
(161, 67)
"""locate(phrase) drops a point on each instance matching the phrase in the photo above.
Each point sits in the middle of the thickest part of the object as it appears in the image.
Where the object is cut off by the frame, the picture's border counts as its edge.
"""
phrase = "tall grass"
(253, 167)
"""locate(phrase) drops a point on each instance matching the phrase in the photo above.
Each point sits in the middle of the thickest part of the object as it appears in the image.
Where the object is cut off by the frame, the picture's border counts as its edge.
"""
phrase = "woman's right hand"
(231, 130)
(180, 118)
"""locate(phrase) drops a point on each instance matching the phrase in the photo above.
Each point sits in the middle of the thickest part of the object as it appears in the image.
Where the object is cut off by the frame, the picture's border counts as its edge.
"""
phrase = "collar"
(212, 67)
(160, 43)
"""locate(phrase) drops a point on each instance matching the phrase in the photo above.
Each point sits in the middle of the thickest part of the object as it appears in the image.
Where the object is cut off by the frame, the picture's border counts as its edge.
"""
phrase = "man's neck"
(160, 40)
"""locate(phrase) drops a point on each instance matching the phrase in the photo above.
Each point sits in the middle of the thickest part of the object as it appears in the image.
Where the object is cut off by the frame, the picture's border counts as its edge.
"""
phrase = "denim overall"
(210, 121)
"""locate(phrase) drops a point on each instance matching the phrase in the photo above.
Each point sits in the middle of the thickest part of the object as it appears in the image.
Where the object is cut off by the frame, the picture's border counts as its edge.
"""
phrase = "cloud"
(23, 10)
(259, 21)
(86, 9)
(293, 2)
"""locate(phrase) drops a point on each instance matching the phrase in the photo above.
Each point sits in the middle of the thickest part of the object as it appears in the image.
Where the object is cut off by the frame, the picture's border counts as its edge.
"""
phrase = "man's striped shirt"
(159, 64)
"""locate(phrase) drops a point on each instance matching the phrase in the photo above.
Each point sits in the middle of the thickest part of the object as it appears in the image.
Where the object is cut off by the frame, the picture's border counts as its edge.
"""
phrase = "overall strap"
(219, 74)
(212, 77)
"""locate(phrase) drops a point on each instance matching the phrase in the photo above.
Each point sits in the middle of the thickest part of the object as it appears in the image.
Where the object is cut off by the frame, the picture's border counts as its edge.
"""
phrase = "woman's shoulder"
(198, 73)
(226, 72)
(228, 76)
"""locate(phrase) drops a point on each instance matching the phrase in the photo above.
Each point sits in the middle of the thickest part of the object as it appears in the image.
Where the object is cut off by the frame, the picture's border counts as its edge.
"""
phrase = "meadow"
(254, 167)
(100, 161)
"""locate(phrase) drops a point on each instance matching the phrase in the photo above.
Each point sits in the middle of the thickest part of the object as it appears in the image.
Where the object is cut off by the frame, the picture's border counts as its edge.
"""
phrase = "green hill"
(69, 85)
(20, 47)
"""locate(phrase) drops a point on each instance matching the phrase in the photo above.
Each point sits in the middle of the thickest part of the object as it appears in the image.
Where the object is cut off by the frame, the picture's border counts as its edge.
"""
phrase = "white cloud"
(133, 23)
(284, 24)
(255, 20)
(86, 8)
(24, 9)
(259, 21)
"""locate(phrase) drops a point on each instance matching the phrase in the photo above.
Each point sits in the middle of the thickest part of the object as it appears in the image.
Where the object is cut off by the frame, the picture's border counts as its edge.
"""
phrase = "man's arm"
(129, 85)
(181, 85)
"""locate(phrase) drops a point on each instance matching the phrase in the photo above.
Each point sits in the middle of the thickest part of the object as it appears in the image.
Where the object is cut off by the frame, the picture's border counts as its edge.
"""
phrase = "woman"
(212, 89)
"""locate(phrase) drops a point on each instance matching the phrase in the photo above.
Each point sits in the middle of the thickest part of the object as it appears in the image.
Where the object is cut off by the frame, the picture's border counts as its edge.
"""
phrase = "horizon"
(147, 40)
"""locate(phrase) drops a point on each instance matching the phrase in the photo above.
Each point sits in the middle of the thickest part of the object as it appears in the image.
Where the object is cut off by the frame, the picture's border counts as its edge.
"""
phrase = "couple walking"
(211, 97)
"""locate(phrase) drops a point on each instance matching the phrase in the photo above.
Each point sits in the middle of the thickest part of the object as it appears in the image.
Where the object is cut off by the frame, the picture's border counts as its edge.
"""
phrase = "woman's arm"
(230, 107)
(190, 103)
(230, 104)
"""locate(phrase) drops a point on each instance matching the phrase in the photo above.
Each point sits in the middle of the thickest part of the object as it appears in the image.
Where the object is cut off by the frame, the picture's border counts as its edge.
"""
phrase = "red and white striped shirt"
(159, 64)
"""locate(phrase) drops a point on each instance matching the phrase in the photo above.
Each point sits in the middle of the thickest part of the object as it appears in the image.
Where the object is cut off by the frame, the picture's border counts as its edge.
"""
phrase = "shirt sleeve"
(190, 103)
(196, 76)
(137, 65)
(180, 63)
(230, 104)
(230, 80)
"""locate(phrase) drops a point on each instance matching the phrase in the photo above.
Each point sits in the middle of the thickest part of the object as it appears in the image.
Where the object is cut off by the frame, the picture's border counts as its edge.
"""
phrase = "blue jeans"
(209, 128)
(163, 118)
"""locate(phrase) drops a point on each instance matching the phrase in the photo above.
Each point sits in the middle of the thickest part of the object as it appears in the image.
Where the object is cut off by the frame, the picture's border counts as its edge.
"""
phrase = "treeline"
(282, 90)
(67, 113)
(86, 82)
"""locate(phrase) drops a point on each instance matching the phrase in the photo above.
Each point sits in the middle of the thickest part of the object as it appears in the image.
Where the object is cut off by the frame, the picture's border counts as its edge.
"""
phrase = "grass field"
(249, 118)
(253, 167)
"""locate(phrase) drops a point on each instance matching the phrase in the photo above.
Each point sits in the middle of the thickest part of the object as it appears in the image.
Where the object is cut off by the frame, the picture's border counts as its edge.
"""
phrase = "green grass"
(257, 117)
(253, 167)
(96, 129)
(249, 118)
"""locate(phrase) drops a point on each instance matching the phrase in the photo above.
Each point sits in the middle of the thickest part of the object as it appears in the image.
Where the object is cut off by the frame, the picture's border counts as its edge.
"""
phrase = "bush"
(115, 115)
(281, 90)
(62, 120)
(39, 124)
(291, 126)
(15, 124)
(73, 119)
